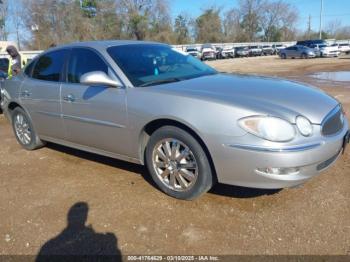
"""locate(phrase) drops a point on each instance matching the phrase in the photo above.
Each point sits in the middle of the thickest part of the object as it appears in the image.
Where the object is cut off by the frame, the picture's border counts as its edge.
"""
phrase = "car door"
(40, 93)
(94, 116)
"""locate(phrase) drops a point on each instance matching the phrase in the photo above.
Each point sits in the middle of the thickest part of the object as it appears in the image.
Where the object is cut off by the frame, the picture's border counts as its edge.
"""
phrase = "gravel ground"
(125, 212)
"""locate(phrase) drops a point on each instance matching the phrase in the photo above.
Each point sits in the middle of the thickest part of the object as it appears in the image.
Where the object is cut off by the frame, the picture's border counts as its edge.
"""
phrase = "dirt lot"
(38, 189)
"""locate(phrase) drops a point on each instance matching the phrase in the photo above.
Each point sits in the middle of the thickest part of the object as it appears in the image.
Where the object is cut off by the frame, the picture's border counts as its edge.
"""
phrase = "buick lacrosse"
(150, 104)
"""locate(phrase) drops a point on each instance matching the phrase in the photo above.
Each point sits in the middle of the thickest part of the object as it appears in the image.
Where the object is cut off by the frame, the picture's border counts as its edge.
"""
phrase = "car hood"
(258, 95)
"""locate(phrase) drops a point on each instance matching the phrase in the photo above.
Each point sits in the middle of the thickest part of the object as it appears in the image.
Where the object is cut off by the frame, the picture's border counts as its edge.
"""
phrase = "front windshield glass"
(152, 64)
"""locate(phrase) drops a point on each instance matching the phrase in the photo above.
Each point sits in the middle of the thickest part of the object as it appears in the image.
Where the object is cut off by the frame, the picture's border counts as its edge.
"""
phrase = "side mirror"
(99, 78)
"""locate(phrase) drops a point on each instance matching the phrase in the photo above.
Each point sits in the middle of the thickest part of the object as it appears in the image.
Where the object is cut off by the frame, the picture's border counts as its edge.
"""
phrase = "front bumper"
(240, 164)
(208, 56)
(333, 54)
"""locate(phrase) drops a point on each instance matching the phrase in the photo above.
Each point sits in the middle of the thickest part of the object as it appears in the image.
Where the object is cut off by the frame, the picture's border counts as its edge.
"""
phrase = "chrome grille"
(333, 122)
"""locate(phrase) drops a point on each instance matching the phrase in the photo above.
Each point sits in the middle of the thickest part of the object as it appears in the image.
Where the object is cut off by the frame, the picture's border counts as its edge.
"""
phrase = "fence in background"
(229, 45)
(28, 55)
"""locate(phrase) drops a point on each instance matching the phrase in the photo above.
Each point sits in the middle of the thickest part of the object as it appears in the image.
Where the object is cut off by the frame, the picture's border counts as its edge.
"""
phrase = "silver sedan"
(150, 104)
(297, 51)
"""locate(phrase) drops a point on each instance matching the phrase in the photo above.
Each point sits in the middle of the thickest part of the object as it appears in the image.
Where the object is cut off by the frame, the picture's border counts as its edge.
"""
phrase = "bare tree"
(277, 20)
(181, 29)
(252, 11)
(17, 20)
(68, 20)
(233, 31)
(3, 19)
(333, 28)
(209, 26)
(146, 19)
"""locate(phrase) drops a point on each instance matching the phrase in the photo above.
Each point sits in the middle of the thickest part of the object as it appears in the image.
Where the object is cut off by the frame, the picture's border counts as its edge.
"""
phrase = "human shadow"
(80, 242)
(218, 189)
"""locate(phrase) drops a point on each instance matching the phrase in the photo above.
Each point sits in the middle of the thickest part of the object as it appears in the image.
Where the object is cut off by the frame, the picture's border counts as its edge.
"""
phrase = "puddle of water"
(341, 76)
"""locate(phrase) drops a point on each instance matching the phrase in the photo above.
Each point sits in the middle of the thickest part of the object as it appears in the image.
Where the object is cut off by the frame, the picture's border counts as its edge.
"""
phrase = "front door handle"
(25, 93)
(69, 98)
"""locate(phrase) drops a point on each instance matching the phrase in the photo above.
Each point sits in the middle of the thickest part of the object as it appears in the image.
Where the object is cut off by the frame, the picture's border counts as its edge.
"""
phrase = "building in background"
(4, 44)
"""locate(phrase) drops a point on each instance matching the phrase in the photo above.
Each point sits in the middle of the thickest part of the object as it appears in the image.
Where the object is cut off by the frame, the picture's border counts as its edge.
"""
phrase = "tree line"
(50, 22)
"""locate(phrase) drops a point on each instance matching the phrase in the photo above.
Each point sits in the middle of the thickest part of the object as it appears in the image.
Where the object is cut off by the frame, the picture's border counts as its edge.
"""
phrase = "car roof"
(106, 43)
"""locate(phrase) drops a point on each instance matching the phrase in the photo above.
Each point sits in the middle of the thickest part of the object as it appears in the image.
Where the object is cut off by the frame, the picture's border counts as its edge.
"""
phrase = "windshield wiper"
(161, 81)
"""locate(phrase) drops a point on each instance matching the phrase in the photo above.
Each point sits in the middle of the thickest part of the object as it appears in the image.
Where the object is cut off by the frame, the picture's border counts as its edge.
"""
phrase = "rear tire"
(178, 164)
(24, 130)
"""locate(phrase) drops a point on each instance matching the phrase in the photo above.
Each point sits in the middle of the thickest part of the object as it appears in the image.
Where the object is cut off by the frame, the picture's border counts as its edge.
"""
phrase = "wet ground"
(341, 76)
(48, 195)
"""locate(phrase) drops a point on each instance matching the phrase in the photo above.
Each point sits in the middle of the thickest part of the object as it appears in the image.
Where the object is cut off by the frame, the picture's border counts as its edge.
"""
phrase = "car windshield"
(191, 50)
(152, 64)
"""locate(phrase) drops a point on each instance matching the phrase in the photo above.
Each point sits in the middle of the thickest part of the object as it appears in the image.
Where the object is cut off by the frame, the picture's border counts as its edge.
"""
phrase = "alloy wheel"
(22, 129)
(175, 164)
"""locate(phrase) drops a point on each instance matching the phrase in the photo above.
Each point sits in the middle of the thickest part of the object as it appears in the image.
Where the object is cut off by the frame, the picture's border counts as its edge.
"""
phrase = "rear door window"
(49, 66)
(29, 68)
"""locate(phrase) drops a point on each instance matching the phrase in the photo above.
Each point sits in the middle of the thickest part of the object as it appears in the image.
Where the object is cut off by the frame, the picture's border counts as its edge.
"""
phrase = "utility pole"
(309, 27)
(321, 11)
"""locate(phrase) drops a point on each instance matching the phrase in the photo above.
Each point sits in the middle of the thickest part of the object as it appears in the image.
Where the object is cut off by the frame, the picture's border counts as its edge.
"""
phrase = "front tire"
(24, 130)
(178, 164)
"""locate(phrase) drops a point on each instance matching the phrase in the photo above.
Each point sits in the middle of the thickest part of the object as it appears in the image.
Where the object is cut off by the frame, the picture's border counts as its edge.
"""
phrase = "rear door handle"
(69, 98)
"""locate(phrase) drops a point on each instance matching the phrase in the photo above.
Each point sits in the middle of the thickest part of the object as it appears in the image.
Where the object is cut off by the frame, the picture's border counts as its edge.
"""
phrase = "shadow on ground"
(218, 189)
(80, 241)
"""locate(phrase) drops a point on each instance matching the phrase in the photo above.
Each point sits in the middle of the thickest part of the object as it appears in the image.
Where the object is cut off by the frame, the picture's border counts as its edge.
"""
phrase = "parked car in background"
(297, 51)
(309, 43)
(343, 47)
(193, 52)
(322, 50)
(208, 52)
(218, 51)
(278, 48)
(267, 50)
(227, 52)
(150, 104)
(241, 51)
(255, 50)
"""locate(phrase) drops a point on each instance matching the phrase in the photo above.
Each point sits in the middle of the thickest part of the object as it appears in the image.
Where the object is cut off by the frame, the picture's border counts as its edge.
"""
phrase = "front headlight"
(304, 125)
(269, 128)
